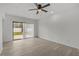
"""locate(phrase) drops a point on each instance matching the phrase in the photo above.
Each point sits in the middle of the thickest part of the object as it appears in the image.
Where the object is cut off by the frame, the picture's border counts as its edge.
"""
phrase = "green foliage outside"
(17, 33)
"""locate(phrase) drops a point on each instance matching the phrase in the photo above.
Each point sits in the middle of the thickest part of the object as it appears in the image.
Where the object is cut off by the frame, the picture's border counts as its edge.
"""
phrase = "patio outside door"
(17, 30)
(22, 30)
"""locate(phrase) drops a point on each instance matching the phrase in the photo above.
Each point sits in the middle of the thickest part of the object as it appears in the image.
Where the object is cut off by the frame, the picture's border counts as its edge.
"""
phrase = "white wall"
(7, 26)
(0, 32)
(62, 26)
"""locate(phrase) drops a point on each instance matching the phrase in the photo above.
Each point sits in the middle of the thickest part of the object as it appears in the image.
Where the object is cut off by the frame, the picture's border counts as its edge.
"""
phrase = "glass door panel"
(17, 30)
(28, 30)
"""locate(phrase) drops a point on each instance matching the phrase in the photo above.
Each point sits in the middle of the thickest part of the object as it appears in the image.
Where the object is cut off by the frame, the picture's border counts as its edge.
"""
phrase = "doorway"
(22, 30)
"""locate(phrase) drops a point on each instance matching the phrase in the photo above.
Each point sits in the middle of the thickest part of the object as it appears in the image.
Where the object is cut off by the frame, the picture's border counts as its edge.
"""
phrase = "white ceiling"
(21, 9)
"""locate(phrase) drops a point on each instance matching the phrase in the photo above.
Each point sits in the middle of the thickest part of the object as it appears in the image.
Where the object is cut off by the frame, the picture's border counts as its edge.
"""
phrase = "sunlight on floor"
(21, 36)
(18, 37)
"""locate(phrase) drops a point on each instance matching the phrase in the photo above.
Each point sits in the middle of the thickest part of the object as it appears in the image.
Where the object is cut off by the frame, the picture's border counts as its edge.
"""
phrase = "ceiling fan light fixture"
(40, 7)
(39, 10)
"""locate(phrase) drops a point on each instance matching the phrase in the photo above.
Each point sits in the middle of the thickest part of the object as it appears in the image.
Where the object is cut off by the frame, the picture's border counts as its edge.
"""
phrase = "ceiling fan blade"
(46, 5)
(32, 9)
(44, 10)
(37, 12)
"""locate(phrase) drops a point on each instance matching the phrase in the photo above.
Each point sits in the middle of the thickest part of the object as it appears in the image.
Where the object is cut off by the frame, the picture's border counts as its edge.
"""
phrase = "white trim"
(59, 43)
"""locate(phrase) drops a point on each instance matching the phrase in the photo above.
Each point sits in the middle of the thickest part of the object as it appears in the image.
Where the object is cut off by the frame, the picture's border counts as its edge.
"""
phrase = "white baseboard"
(60, 43)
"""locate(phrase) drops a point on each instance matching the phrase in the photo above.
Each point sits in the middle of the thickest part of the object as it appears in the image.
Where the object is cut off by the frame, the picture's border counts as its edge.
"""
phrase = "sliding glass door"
(17, 30)
(28, 30)
(22, 30)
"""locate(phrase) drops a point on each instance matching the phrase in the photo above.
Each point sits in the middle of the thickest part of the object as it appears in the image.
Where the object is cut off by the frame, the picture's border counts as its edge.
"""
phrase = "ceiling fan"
(40, 7)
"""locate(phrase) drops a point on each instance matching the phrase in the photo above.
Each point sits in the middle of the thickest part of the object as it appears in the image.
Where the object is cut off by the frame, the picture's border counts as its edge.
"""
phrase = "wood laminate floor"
(37, 47)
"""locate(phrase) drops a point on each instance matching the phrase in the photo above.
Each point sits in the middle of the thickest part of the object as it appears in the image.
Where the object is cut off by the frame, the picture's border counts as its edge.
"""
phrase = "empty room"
(39, 29)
